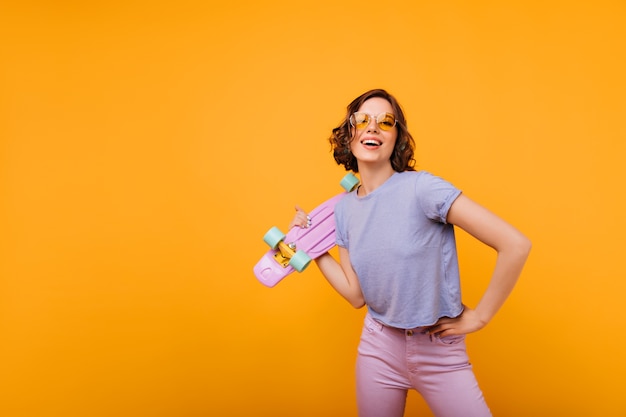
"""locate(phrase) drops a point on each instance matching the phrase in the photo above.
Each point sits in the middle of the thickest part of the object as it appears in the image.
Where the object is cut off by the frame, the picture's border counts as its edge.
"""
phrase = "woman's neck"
(371, 179)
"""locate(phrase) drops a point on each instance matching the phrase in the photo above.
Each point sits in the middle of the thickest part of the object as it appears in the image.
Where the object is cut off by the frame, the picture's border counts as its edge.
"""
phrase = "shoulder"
(426, 179)
(405, 177)
(341, 204)
(420, 179)
(421, 175)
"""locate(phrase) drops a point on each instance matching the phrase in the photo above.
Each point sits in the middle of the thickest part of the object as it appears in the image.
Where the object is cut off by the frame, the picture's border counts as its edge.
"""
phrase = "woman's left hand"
(467, 322)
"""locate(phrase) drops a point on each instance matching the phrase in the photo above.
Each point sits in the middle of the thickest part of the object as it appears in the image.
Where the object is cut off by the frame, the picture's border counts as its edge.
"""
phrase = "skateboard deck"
(295, 250)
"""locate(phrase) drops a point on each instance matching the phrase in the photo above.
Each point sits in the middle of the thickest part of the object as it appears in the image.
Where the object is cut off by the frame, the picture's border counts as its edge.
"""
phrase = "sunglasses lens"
(360, 120)
(386, 121)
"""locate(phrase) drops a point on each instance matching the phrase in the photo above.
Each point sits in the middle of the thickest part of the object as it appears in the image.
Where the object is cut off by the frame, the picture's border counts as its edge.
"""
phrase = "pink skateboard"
(296, 250)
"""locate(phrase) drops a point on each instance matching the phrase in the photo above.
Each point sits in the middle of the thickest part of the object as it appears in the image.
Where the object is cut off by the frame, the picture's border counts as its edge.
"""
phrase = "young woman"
(397, 254)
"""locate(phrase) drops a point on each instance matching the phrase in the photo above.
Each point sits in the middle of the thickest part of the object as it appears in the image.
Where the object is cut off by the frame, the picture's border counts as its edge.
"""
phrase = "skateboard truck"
(305, 244)
(284, 253)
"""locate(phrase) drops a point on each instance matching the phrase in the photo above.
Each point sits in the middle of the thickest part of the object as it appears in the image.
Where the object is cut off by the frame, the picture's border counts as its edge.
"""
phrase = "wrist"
(480, 316)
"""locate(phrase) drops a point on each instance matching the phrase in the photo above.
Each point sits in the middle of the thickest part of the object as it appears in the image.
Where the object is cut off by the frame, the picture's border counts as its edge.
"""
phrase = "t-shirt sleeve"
(340, 227)
(436, 196)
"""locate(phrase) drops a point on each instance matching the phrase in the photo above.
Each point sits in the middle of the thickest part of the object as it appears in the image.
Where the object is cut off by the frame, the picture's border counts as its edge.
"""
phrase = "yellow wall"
(145, 147)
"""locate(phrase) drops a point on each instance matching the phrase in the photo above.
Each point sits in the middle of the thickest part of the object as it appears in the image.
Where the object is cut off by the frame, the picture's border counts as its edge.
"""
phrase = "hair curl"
(340, 139)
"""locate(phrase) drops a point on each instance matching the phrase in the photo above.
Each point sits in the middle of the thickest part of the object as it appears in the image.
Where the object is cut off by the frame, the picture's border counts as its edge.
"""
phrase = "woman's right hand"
(301, 219)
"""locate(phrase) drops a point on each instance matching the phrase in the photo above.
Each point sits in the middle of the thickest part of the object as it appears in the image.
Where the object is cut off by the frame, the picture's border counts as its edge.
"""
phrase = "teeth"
(371, 142)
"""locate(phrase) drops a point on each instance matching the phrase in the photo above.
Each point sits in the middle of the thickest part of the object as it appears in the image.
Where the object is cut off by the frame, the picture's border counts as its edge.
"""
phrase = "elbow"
(522, 248)
(525, 246)
(357, 302)
(518, 247)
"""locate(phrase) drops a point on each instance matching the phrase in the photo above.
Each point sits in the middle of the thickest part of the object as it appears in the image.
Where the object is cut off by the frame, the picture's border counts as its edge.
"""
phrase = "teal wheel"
(273, 237)
(300, 261)
(349, 182)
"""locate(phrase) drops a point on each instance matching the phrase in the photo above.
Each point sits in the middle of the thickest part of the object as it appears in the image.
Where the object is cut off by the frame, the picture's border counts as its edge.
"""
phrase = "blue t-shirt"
(403, 250)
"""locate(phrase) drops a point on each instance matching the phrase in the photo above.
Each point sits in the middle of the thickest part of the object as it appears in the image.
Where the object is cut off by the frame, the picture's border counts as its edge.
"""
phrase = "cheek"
(353, 146)
(353, 139)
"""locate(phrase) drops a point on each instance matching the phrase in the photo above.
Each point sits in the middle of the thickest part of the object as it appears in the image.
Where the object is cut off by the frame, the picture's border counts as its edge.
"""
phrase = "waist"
(409, 331)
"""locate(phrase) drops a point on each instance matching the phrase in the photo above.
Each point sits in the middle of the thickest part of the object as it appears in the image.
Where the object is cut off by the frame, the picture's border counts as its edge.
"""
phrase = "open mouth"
(371, 142)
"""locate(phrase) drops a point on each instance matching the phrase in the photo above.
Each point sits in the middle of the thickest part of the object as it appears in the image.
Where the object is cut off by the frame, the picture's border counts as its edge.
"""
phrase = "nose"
(372, 126)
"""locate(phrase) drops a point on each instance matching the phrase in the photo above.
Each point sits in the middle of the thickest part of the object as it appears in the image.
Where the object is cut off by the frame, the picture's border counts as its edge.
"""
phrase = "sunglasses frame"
(379, 118)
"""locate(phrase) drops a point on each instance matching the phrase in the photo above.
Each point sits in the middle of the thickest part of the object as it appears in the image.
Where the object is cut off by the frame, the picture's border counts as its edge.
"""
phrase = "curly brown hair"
(340, 139)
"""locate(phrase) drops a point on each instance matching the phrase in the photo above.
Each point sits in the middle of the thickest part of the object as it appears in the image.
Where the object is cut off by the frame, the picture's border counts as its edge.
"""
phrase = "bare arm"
(512, 248)
(340, 276)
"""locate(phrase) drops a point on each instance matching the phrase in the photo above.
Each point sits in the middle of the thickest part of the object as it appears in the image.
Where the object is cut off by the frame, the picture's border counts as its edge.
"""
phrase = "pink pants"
(391, 361)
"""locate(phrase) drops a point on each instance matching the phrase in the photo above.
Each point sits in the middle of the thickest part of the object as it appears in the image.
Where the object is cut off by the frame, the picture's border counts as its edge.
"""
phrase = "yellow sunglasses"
(386, 121)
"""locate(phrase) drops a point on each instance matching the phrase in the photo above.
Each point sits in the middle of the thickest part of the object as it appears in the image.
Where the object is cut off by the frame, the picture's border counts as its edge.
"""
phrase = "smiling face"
(372, 145)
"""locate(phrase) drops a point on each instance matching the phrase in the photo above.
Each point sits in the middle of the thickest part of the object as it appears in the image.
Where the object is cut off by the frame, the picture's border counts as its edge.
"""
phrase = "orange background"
(146, 147)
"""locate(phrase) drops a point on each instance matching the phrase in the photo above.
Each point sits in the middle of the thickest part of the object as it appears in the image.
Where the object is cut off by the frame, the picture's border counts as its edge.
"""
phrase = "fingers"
(444, 327)
(301, 219)
(443, 331)
(467, 322)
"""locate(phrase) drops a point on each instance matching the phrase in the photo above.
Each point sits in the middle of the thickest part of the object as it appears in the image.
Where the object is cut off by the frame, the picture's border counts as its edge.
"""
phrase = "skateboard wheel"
(349, 182)
(273, 237)
(300, 261)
